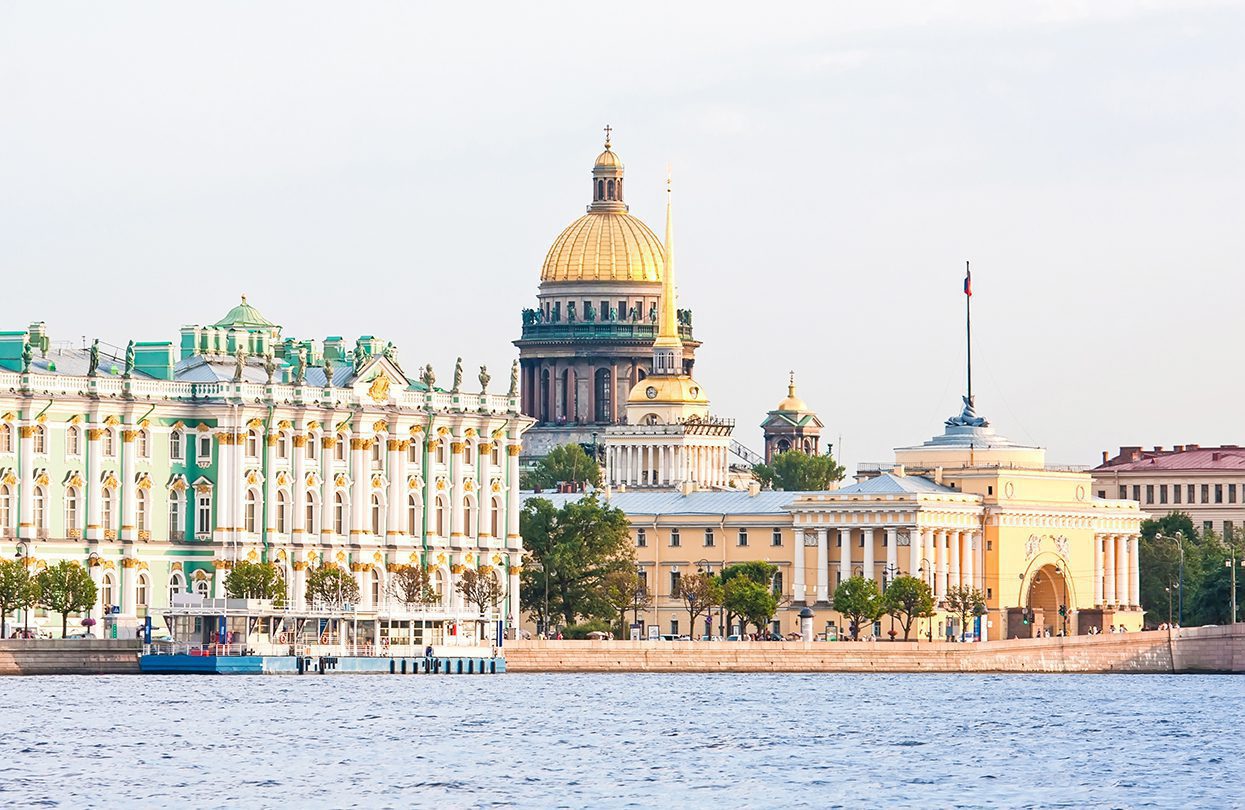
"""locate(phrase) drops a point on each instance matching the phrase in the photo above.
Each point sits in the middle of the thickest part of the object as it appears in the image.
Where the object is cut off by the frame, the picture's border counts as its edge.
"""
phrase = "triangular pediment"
(380, 380)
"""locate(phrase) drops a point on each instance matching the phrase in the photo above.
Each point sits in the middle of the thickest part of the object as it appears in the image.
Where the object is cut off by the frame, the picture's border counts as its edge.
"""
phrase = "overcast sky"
(400, 169)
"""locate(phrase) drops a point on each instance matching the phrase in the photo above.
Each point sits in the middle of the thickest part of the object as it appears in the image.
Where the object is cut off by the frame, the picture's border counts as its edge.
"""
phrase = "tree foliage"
(857, 600)
(65, 588)
(748, 599)
(573, 549)
(964, 601)
(566, 463)
(758, 571)
(18, 590)
(255, 580)
(795, 471)
(332, 586)
(1205, 578)
(700, 594)
(908, 599)
(481, 588)
(624, 591)
(412, 586)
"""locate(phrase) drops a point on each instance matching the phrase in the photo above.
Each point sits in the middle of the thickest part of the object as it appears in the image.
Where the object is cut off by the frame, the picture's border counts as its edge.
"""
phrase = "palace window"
(339, 513)
(201, 588)
(73, 441)
(495, 457)
(1162, 493)
(377, 451)
(41, 512)
(107, 592)
(203, 514)
(252, 443)
(203, 454)
(283, 510)
(6, 509)
(441, 512)
(143, 445)
(312, 447)
(378, 515)
(176, 444)
(1190, 493)
(1231, 493)
(176, 505)
(177, 584)
(442, 450)
(40, 440)
(412, 515)
(283, 445)
(776, 538)
(470, 520)
(339, 448)
(1218, 493)
(107, 504)
(675, 581)
(141, 590)
(743, 537)
(71, 509)
(6, 439)
(250, 523)
(641, 538)
(1176, 488)
(708, 537)
(141, 501)
(311, 513)
(495, 516)
(1149, 493)
(674, 538)
(674, 627)
(1137, 493)
(412, 453)
(1123, 492)
(1207, 527)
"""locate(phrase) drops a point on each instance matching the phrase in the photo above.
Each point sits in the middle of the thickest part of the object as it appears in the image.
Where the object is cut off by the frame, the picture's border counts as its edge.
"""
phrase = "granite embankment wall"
(69, 657)
(1200, 649)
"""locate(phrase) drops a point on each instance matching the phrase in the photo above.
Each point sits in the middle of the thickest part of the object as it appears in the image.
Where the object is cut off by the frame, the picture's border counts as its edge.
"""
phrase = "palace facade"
(589, 339)
(160, 466)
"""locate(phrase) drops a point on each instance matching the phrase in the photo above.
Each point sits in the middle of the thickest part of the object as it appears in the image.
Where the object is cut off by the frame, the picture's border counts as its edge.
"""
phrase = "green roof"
(246, 316)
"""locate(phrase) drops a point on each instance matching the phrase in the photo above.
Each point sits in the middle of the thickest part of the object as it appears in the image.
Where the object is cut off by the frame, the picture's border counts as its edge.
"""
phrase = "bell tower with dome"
(791, 426)
(589, 339)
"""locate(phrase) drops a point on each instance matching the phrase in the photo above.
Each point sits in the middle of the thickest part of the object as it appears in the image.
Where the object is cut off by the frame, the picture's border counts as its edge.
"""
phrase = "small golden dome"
(792, 402)
(605, 246)
(607, 160)
(667, 388)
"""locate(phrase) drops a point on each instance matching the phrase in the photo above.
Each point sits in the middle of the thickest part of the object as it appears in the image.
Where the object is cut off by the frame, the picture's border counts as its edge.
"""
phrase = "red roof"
(1229, 457)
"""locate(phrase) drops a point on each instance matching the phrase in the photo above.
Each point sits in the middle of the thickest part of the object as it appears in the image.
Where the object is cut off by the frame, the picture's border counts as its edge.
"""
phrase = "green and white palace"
(159, 466)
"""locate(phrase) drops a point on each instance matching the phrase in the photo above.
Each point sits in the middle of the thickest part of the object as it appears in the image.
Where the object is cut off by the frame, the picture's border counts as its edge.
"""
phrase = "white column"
(953, 563)
(915, 547)
(845, 554)
(892, 553)
(823, 566)
(797, 584)
(940, 566)
(360, 486)
(513, 540)
(26, 483)
(95, 492)
(967, 561)
(1134, 571)
(300, 585)
(1108, 596)
(395, 526)
(514, 619)
(270, 486)
(867, 535)
(128, 490)
(326, 483)
(1121, 569)
(298, 490)
(456, 494)
(1097, 569)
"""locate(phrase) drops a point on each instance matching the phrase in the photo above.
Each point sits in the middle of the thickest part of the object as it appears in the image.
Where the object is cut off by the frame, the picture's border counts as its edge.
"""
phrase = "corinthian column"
(513, 540)
(1108, 596)
(1097, 570)
(1134, 571)
(1121, 569)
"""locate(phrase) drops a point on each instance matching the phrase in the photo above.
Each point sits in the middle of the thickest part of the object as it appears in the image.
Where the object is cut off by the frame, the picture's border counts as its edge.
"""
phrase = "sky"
(400, 170)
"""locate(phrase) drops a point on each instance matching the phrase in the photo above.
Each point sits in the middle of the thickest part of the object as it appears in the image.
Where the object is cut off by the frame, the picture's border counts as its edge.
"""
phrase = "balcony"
(638, 331)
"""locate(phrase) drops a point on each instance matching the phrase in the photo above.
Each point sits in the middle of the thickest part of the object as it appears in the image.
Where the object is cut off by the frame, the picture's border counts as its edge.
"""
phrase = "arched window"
(609, 189)
(142, 591)
(469, 516)
(339, 447)
(201, 588)
(496, 513)
(143, 445)
(600, 189)
(339, 513)
(312, 512)
(110, 443)
(41, 510)
(6, 508)
(108, 591)
(177, 445)
(283, 512)
(107, 509)
(40, 440)
(412, 452)
(252, 443)
(177, 515)
(412, 515)
(435, 581)
(378, 515)
(6, 439)
(141, 501)
(283, 445)
(249, 516)
(603, 395)
(71, 509)
(442, 512)
(177, 584)
(378, 449)
(73, 441)
(375, 585)
(312, 446)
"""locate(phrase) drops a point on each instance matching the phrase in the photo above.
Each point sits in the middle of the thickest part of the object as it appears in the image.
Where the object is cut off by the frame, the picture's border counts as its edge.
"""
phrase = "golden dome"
(605, 246)
(607, 160)
(792, 402)
(666, 389)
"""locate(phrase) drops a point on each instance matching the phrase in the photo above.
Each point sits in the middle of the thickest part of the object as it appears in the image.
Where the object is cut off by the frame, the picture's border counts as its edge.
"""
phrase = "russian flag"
(968, 282)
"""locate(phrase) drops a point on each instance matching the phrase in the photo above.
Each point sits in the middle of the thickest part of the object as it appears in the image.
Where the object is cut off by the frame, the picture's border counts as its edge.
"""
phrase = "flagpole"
(968, 319)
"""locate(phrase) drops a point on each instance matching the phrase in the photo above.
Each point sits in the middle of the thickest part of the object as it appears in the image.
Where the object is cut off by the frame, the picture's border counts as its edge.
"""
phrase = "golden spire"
(791, 384)
(608, 130)
(668, 317)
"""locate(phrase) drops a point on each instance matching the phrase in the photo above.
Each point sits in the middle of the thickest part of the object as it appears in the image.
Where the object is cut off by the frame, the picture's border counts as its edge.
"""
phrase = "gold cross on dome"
(608, 130)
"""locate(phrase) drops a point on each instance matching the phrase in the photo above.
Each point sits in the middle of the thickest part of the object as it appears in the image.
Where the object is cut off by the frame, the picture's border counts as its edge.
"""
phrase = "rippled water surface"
(729, 741)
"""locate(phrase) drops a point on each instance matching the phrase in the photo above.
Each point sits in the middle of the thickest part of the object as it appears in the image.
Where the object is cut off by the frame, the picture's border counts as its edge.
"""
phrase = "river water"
(726, 741)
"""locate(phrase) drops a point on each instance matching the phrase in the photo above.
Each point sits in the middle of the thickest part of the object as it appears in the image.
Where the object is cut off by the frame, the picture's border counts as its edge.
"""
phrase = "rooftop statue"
(239, 361)
(328, 372)
(359, 357)
(428, 377)
(484, 379)
(93, 363)
(570, 312)
(514, 380)
(458, 376)
(129, 359)
(270, 366)
(590, 313)
(27, 355)
(300, 366)
(967, 417)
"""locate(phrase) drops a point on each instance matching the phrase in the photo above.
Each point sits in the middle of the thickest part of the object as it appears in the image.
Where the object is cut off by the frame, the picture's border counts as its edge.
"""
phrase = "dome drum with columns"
(589, 339)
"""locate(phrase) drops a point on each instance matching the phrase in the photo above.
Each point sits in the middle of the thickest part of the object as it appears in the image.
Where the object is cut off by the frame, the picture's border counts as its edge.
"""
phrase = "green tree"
(964, 601)
(757, 571)
(794, 471)
(750, 600)
(17, 591)
(567, 463)
(1159, 564)
(574, 548)
(332, 586)
(625, 592)
(700, 593)
(1212, 601)
(482, 588)
(66, 588)
(412, 586)
(255, 580)
(857, 600)
(908, 599)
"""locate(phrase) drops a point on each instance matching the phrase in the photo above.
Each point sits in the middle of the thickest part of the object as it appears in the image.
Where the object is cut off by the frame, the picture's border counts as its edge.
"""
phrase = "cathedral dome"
(792, 403)
(607, 160)
(605, 246)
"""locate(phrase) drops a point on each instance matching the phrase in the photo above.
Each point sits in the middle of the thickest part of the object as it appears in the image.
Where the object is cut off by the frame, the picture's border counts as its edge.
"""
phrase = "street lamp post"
(888, 575)
(926, 566)
(1179, 541)
(22, 553)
